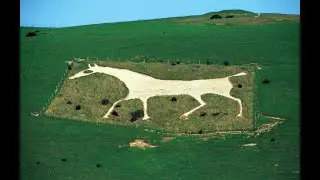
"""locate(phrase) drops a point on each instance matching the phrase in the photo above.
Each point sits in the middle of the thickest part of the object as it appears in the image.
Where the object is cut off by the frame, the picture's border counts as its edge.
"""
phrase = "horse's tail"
(94, 65)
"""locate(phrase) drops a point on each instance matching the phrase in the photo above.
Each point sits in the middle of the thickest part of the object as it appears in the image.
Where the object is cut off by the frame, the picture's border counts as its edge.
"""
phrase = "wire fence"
(255, 99)
(56, 90)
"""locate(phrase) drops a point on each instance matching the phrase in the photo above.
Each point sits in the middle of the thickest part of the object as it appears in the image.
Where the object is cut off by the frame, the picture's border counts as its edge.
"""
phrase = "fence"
(54, 93)
(256, 113)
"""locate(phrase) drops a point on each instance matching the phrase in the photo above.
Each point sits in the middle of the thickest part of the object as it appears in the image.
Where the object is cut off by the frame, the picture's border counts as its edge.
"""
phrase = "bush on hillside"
(230, 16)
(203, 114)
(226, 63)
(136, 115)
(216, 16)
(104, 101)
(215, 114)
(78, 107)
(31, 34)
(266, 81)
(114, 113)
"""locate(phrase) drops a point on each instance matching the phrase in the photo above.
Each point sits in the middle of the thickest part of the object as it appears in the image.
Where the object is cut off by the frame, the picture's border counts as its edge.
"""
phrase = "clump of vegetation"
(64, 159)
(216, 16)
(208, 62)
(203, 114)
(136, 115)
(200, 131)
(173, 64)
(104, 101)
(118, 105)
(266, 81)
(78, 107)
(99, 165)
(87, 71)
(226, 63)
(216, 113)
(229, 16)
(239, 85)
(31, 34)
(114, 113)
(174, 99)
(69, 102)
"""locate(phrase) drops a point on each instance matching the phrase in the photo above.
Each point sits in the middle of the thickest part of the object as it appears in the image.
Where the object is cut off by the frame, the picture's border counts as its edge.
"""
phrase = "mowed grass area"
(220, 113)
(48, 140)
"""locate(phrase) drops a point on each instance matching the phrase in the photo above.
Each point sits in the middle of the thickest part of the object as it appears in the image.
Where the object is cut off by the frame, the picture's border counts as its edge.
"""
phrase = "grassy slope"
(47, 140)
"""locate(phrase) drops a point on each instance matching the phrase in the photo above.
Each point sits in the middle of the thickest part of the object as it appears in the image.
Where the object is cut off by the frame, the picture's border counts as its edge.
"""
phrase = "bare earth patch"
(167, 139)
(249, 145)
(139, 143)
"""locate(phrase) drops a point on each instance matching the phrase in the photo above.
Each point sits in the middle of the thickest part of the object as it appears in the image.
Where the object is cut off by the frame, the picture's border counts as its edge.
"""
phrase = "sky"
(66, 13)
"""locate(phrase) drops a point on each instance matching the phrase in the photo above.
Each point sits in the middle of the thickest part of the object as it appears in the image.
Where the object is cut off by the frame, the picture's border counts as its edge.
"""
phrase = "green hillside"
(62, 149)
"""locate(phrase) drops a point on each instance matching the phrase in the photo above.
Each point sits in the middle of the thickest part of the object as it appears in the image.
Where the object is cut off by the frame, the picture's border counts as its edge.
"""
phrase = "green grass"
(47, 140)
(221, 112)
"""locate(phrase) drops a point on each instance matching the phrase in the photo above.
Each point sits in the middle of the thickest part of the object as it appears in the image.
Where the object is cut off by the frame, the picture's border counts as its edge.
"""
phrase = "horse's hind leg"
(202, 103)
(112, 107)
(239, 102)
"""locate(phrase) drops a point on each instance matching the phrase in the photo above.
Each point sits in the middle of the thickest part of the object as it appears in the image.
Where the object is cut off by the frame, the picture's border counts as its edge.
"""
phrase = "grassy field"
(220, 112)
(53, 148)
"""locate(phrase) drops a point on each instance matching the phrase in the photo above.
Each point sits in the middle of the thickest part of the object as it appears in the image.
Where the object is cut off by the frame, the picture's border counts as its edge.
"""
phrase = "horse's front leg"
(145, 108)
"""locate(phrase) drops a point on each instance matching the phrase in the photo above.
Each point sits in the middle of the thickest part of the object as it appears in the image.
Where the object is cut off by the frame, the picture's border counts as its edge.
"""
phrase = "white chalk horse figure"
(143, 87)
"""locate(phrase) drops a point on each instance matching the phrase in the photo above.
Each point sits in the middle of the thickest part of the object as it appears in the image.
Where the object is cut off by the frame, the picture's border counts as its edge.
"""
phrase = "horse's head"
(86, 72)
